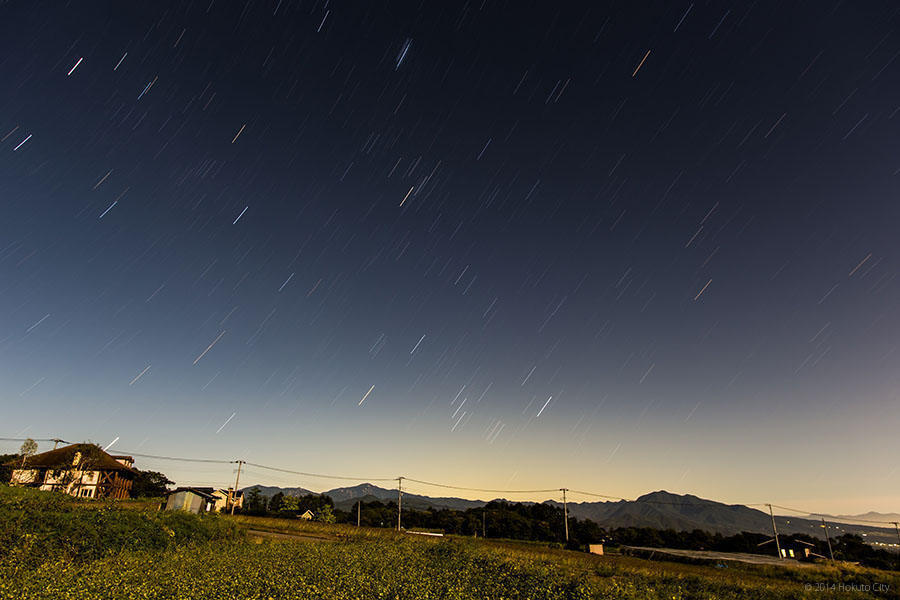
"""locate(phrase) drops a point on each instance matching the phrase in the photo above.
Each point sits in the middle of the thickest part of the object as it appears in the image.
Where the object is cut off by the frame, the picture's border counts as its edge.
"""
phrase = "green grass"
(39, 526)
(338, 531)
(397, 569)
(113, 552)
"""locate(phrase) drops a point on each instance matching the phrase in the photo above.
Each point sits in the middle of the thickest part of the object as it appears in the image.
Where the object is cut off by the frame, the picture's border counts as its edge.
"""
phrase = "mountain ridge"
(658, 510)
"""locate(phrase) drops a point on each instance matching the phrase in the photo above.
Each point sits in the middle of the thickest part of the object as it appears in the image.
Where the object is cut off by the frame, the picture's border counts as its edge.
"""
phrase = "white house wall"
(66, 480)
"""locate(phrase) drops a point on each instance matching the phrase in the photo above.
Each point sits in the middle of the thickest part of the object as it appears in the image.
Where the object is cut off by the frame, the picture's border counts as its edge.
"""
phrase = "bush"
(37, 526)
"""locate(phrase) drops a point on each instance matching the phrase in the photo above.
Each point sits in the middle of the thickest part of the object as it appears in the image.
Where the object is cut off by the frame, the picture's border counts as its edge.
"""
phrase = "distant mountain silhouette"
(869, 516)
(356, 492)
(664, 510)
(658, 510)
(268, 490)
(346, 497)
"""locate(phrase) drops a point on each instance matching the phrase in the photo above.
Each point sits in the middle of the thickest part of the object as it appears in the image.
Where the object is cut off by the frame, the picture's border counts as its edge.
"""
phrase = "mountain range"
(347, 497)
(869, 516)
(658, 510)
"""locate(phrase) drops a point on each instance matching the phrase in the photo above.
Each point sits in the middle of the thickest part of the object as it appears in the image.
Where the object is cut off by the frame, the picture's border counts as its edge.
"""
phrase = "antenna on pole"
(775, 530)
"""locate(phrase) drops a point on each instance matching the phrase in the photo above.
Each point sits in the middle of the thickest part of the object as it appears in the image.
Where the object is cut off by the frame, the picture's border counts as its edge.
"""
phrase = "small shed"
(596, 549)
(195, 500)
(308, 515)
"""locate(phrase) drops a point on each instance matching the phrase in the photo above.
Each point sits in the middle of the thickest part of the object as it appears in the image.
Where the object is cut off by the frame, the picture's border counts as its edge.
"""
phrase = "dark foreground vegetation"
(39, 526)
(55, 547)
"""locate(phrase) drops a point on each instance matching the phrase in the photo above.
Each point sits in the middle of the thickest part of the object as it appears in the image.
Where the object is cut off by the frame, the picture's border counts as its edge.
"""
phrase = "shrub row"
(39, 526)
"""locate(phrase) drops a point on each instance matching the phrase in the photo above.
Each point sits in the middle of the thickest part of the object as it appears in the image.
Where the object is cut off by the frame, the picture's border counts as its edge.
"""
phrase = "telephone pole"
(483, 528)
(237, 481)
(399, 500)
(897, 527)
(775, 530)
(565, 512)
(358, 511)
(828, 539)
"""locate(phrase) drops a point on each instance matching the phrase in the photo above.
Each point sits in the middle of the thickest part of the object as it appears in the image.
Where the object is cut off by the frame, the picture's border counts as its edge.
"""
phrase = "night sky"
(616, 247)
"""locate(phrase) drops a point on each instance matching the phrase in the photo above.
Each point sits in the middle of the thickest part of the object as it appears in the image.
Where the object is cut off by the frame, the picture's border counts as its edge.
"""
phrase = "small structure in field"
(194, 500)
(225, 498)
(795, 550)
(596, 549)
(307, 516)
(82, 470)
(203, 499)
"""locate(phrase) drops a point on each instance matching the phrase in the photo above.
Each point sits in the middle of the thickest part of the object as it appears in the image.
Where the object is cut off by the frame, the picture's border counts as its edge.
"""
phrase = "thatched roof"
(62, 458)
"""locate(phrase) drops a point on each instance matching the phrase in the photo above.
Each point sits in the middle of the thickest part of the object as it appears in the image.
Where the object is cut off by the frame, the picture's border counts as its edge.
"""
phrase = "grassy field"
(358, 563)
(37, 527)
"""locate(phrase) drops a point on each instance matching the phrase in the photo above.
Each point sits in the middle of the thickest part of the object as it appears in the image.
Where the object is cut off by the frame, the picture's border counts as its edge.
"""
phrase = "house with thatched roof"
(82, 470)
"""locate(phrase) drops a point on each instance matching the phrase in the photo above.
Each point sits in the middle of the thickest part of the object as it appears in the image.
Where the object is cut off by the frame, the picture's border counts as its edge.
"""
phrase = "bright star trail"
(139, 375)
(367, 395)
(72, 70)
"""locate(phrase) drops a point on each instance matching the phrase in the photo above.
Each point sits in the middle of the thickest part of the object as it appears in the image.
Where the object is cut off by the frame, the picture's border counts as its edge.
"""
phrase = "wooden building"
(82, 470)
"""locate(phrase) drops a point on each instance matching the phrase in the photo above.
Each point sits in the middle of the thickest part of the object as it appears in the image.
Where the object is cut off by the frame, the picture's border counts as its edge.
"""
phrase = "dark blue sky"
(674, 221)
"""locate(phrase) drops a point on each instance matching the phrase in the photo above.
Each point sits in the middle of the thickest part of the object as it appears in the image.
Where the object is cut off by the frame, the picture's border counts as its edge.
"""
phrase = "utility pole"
(483, 528)
(565, 512)
(399, 500)
(828, 539)
(897, 527)
(56, 442)
(358, 511)
(775, 530)
(237, 481)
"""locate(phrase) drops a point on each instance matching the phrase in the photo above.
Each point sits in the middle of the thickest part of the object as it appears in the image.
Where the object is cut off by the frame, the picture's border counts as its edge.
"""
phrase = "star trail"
(636, 245)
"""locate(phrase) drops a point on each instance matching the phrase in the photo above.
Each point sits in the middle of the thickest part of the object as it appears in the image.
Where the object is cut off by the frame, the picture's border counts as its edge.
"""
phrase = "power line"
(468, 489)
(34, 440)
(321, 475)
(178, 458)
(199, 460)
(832, 517)
(600, 496)
(447, 486)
